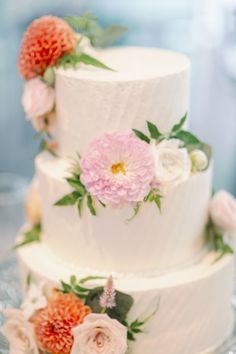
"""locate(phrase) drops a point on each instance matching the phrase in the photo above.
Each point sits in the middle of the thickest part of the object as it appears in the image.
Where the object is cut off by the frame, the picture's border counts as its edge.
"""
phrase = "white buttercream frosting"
(194, 314)
(148, 84)
(108, 242)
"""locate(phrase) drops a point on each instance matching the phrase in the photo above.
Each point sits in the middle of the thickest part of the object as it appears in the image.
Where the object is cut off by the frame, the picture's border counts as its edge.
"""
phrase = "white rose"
(35, 299)
(199, 160)
(223, 211)
(33, 204)
(38, 98)
(172, 163)
(19, 333)
(99, 334)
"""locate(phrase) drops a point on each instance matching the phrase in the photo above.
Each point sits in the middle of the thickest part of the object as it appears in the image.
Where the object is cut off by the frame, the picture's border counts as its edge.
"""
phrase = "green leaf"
(80, 23)
(157, 200)
(69, 60)
(69, 199)
(49, 76)
(81, 289)
(73, 280)
(90, 278)
(109, 35)
(154, 196)
(102, 204)
(77, 185)
(90, 205)
(179, 125)
(79, 205)
(186, 137)
(141, 136)
(130, 336)
(154, 132)
(30, 236)
(89, 60)
(136, 210)
(124, 303)
(66, 287)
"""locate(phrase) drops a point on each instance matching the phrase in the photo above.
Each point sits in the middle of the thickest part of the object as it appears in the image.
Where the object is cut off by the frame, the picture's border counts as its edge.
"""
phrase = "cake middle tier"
(151, 242)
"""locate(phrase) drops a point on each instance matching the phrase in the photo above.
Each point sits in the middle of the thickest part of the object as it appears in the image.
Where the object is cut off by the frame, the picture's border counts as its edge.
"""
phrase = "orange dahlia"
(54, 323)
(45, 41)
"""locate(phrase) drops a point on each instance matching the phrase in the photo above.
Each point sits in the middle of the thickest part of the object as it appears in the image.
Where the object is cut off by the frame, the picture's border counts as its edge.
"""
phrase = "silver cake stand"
(10, 296)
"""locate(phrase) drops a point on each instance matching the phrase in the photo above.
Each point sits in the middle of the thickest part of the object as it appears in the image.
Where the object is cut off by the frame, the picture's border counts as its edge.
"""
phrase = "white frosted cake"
(124, 193)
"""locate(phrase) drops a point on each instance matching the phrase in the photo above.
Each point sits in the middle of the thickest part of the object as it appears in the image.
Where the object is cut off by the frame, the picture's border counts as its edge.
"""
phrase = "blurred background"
(203, 29)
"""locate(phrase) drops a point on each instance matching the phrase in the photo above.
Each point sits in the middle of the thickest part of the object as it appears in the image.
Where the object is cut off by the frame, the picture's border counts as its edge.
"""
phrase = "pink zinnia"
(118, 168)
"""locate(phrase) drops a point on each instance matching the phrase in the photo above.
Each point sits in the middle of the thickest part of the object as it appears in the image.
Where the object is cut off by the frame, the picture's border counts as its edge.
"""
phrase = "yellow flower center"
(118, 168)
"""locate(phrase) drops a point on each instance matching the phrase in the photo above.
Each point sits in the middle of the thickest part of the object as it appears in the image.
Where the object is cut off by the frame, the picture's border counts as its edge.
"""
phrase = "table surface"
(10, 296)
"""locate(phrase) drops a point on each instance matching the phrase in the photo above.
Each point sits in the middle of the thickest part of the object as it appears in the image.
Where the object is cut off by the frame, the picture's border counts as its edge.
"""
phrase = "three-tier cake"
(124, 193)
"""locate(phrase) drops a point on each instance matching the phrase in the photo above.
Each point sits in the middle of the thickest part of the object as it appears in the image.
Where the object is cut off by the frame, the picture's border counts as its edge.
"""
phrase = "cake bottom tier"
(194, 314)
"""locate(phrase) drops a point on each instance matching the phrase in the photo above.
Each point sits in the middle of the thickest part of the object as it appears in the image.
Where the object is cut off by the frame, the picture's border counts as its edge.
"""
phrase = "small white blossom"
(199, 160)
(34, 300)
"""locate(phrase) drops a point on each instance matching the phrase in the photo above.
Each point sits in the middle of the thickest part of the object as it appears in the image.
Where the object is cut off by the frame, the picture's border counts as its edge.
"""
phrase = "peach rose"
(32, 204)
(99, 334)
(19, 333)
(38, 98)
(223, 211)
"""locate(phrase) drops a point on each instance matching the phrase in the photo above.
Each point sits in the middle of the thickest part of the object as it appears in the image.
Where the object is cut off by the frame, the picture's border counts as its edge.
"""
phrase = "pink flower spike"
(108, 298)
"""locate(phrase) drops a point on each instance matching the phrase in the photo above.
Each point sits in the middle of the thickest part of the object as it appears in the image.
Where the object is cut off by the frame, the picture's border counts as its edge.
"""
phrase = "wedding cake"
(124, 251)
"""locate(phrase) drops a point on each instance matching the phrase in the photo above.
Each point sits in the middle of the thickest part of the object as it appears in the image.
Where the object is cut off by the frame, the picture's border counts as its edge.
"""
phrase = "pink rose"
(38, 98)
(223, 211)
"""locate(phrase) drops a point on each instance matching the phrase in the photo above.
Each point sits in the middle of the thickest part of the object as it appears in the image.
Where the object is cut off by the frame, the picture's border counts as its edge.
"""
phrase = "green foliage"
(124, 303)
(136, 211)
(177, 127)
(89, 60)
(49, 76)
(89, 27)
(154, 132)
(69, 60)
(69, 199)
(136, 326)
(90, 205)
(108, 36)
(142, 136)
(190, 141)
(30, 236)
(78, 195)
(186, 137)
(216, 241)
(91, 297)
(154, 196)
(81, 23)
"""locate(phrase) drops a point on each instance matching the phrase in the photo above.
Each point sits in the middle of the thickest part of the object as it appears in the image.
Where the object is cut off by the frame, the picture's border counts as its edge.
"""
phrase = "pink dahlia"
(118, 168)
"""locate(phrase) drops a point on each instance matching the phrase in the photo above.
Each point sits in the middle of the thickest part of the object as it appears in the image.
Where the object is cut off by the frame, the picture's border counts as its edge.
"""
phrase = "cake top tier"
(148, 84)
(131, 63)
